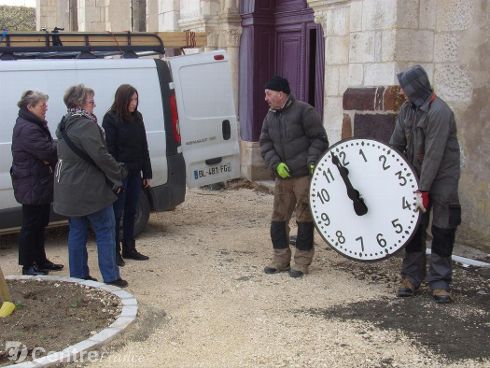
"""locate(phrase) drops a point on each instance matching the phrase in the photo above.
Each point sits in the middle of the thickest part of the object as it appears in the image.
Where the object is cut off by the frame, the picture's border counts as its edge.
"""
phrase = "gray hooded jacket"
(425, 132)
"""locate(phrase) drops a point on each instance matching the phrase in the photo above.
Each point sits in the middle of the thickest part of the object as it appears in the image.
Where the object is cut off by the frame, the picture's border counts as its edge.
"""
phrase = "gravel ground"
(205, 302)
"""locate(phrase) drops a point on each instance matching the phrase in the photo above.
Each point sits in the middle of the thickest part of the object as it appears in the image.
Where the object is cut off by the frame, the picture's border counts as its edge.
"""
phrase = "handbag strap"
(72, 146)
(83, 155)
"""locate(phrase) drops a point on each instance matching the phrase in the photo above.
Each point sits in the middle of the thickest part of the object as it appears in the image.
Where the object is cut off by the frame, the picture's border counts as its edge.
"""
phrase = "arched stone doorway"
(278, 37)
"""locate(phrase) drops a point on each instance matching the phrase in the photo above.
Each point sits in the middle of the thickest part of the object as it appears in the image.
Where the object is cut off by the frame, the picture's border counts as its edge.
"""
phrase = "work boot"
(295, 273)
(34, 271)
(441, 296)
(280, 261)
(130, 252)
(50, 266)
(271, 269)
(406, 289)
(302, 260)
(119, 283)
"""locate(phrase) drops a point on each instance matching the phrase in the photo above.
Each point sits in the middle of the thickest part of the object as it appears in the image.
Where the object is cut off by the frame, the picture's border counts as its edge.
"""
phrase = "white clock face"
(385, 182)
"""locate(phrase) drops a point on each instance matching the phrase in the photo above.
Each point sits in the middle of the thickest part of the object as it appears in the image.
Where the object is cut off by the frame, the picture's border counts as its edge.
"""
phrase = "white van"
(186, 103)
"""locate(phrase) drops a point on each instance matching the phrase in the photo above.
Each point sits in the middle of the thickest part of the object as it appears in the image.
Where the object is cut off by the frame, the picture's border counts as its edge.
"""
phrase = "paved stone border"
(71, 353)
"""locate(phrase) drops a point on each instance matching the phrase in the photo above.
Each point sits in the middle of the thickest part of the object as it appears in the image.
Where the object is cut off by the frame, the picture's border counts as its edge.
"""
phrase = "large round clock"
(362, 197)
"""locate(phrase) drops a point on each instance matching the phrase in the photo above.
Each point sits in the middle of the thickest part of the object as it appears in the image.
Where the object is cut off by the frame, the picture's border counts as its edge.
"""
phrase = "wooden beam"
(177, 40)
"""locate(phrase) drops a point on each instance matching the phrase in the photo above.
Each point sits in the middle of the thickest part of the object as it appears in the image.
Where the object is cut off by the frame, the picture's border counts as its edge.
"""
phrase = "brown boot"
(441, 296)
(302, 260)
(280, 261)
(406, 288)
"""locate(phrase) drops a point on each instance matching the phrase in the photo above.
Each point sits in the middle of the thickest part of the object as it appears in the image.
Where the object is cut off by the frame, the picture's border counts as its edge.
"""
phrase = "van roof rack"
(35, 45)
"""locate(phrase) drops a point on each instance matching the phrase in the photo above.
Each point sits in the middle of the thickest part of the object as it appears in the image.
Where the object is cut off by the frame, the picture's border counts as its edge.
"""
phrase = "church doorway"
(279, 37)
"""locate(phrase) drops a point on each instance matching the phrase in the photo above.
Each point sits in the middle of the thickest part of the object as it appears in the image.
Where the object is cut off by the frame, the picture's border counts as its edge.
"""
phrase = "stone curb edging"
(71, 353)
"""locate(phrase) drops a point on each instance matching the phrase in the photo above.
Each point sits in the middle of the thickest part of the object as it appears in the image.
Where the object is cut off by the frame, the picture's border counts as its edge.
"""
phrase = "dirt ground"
(205, 302)
(53, 315)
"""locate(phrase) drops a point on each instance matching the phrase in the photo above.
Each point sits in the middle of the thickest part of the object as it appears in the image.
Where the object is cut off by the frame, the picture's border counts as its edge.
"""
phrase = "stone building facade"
(366, 42)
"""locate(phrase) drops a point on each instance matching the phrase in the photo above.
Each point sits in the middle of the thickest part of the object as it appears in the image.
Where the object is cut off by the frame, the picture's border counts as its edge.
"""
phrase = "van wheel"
(142, 214)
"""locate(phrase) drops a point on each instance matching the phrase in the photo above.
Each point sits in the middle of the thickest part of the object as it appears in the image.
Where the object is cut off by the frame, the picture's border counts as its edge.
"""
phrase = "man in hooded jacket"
(291, 142)
(426, 133)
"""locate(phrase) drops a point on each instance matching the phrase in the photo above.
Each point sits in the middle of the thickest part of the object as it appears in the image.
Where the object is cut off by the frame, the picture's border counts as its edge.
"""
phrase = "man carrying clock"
(291, 142)
(425, 132)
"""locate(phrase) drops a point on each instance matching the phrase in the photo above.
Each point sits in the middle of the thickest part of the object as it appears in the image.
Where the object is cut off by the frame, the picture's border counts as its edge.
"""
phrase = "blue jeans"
(102, 223)
(127, 202)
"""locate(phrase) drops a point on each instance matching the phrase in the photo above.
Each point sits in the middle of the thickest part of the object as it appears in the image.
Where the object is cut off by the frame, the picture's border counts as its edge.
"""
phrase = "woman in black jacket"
(34, 158)
(126, 141)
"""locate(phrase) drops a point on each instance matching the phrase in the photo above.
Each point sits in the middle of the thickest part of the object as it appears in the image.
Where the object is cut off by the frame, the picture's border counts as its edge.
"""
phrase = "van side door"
(207, 117)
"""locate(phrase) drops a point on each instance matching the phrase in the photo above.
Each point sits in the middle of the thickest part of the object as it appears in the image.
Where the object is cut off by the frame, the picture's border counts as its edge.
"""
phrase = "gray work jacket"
(428, 138)
(80, 188)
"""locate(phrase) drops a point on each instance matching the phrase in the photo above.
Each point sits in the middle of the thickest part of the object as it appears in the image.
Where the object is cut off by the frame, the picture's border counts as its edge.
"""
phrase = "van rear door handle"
(226, 129)
(214, 161)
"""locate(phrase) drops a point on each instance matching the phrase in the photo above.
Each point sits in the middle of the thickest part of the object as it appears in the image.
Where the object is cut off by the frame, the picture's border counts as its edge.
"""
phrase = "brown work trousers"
(292, 195)
(289, 195)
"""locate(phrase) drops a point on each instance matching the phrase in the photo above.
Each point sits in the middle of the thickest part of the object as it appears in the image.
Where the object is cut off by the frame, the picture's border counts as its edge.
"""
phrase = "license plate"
(212, 171)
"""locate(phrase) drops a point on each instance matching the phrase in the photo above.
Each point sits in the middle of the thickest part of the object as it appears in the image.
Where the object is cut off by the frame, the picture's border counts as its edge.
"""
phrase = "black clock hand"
(359, 206)
(344, 173)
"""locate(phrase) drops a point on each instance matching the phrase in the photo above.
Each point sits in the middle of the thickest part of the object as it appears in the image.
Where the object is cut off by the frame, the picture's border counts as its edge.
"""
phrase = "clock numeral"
(402, 179)
(323, 195)
(406, 204)
(383, 159)
(381, 240)
(325, 218)
(361, 152)
(340, 237)
(362, 243)
(343, 156)
(328, 175)
(397, 226)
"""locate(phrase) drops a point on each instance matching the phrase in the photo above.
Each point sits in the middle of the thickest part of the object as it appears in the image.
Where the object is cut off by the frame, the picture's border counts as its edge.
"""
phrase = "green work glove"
(311, 168)
(283, 170)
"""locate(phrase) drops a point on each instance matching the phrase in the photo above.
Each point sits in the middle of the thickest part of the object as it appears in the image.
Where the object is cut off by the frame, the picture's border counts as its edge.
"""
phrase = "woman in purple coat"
(34, 157)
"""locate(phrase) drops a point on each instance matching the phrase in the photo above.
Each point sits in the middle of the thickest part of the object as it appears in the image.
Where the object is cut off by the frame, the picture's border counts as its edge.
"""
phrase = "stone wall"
(370, 112)
(118, 16)
(92, 15)
(462, 78)
(168, 15)
(52, 13)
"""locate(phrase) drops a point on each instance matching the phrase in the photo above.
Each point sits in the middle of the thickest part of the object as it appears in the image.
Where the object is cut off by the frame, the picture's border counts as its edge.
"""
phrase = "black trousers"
(440, 266)
(35, 218)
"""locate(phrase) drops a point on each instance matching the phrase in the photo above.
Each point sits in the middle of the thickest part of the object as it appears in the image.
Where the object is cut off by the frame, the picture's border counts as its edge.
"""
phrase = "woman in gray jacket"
(86, 179)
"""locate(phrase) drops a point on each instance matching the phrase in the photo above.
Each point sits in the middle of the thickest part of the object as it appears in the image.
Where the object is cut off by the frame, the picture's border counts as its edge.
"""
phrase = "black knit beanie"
(278, 83)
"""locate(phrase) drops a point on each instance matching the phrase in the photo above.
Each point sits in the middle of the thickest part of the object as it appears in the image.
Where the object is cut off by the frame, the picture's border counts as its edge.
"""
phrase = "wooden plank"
(184, 39)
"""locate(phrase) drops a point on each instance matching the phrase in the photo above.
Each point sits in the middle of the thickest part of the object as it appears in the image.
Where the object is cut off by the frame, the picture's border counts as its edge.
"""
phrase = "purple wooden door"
(290, 56)
(279, 38)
